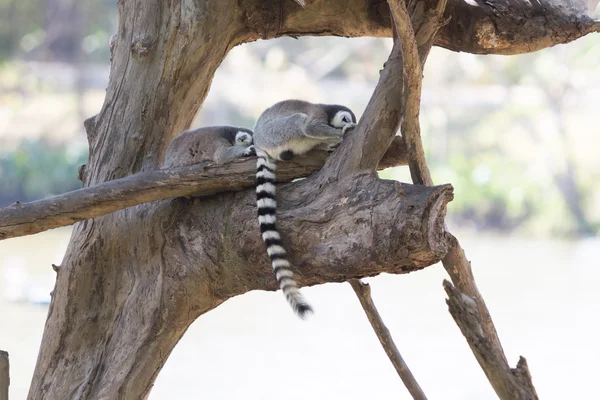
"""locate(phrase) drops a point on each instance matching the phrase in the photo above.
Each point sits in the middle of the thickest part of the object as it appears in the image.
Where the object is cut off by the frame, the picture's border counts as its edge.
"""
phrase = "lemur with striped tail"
(289, 128)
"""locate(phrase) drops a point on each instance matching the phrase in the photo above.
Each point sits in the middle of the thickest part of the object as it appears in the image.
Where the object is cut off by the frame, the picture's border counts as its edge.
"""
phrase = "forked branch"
(455, 262)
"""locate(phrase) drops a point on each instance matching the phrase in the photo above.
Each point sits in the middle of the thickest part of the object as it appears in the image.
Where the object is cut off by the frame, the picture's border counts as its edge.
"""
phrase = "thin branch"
(455, 262)
(509, 383)
(412, 93)
(363, 291)
(22, 219)
(396, 95)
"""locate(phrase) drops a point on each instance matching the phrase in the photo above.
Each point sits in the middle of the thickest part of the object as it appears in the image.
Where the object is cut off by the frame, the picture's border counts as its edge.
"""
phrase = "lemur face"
(243, 138)
(342, 118)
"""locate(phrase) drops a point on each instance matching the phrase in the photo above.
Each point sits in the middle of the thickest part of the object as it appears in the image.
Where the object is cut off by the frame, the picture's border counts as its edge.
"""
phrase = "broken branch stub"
(509, 383)
(349, 229)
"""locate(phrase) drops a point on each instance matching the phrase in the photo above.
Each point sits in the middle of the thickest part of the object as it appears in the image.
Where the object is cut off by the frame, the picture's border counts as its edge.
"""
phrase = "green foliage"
(39, 169)
(25, 24)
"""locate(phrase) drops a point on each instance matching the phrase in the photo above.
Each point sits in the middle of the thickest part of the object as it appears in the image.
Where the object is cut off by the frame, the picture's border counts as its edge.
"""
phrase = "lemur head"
(339, 116)
(243, 138)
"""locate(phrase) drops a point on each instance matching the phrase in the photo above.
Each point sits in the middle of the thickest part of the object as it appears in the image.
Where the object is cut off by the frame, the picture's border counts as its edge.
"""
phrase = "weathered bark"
(132, 281)
(478, 27)
(487, 348)
(204, 179)
(509, 383)
(104, 344)
(180, 258)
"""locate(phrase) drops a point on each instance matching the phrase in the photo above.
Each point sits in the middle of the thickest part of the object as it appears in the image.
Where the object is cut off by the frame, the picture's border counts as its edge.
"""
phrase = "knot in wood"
(141, 47)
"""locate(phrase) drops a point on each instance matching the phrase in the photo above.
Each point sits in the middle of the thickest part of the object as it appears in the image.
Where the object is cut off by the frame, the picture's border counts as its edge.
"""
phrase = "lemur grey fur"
(220, 144)
(289, 128)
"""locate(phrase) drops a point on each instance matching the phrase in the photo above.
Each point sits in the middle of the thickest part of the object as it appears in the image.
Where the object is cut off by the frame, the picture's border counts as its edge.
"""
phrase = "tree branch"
(412, 69)
(187, 256)
(455, 261)
(509, 383)
(485, 345)
(22, 219)
(363, 291)
(478, 27)
(347, 229)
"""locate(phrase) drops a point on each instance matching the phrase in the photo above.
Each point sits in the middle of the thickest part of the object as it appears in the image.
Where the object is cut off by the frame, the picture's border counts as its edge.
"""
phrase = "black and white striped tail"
(266, 204)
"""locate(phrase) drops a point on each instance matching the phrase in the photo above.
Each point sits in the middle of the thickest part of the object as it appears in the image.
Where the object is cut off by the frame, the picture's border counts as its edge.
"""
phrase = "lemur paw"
(333, 146)
(250, 151)
(347, 127)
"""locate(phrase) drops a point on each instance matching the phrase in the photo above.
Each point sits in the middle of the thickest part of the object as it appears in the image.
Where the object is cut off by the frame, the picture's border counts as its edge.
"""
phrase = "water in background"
(543, 296)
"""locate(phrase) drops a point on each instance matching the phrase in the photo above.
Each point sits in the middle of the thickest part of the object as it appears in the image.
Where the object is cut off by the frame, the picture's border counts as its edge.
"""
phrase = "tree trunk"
(133, 281)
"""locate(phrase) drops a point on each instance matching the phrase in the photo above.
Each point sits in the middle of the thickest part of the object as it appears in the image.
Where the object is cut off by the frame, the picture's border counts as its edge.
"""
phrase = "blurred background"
(518, 138)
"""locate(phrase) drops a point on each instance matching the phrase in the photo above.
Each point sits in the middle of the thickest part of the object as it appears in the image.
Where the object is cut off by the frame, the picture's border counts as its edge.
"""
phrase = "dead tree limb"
(455, 261)
(397, 92)
(509, 383)
(137, 278)
(498, 27)
(412, 89)
(363, 291)
(204, 179)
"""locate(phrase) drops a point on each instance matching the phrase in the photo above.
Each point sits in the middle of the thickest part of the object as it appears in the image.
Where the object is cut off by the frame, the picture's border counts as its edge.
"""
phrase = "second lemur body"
(220, 144)
(290, 128)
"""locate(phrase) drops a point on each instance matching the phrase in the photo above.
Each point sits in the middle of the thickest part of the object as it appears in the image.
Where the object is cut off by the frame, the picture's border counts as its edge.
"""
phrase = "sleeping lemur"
(220, 144)
(289, 128)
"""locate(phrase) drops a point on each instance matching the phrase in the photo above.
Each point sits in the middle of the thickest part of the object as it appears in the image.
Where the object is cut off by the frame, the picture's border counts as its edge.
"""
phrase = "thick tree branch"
(363, 291)
(347, 229)
(205, 179)
(204, 251)
(180, 258)
(479, 27)
(366, 144)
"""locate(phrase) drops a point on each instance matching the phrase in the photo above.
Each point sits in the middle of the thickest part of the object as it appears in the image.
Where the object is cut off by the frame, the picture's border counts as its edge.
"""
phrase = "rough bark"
(105, 345)
(181, 258)
(478, 27)
(509, 383)
(204, 179)
(487, 348)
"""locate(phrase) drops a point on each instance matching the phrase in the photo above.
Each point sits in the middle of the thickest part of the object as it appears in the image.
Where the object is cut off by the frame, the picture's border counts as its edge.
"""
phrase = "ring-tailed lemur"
(220, 144)
(289, 128)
